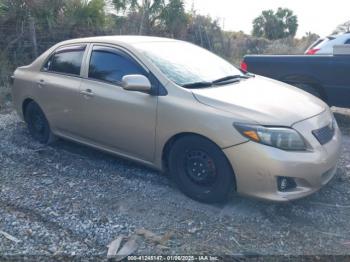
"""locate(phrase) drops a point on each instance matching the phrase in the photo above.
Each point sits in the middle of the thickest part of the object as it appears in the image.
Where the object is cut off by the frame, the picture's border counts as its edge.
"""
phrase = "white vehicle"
(324, 46)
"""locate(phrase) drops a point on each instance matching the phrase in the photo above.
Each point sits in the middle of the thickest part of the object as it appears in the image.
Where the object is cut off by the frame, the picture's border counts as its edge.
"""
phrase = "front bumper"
(257, 166)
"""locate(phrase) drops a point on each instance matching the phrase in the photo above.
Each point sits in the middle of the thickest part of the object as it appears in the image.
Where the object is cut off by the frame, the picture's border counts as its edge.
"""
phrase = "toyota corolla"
(181, 109)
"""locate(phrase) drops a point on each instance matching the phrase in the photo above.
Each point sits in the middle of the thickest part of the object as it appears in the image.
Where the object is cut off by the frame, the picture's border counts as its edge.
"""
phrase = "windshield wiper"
(198, 85)
(220, 81)
(231, 77)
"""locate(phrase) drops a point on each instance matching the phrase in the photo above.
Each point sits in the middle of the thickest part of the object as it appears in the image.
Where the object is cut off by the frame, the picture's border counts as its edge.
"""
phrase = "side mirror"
(138, 83)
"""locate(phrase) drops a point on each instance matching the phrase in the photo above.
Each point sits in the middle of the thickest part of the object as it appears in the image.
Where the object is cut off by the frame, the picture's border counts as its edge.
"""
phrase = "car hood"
(262, 100)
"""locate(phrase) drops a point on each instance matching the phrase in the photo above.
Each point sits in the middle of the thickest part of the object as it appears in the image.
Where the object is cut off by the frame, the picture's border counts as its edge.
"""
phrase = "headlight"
(283, 138)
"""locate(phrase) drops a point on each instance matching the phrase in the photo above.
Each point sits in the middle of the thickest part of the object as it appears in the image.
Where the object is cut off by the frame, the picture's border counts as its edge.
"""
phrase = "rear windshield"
(321, 42)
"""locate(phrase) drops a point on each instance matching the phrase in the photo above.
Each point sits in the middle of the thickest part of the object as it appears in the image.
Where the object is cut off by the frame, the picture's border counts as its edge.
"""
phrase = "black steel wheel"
(200, 169)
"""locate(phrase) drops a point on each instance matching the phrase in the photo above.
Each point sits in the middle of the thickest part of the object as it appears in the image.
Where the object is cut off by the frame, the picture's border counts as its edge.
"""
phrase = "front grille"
(324, 134)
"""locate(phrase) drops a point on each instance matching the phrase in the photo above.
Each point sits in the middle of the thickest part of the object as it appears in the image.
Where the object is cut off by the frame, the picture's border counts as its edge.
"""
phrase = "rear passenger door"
(120, 120)
(58, 84)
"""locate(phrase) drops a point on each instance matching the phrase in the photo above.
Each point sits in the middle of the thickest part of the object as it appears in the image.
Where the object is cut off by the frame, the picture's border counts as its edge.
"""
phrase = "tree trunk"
(33, 36)
(143, 16)
(200, 35)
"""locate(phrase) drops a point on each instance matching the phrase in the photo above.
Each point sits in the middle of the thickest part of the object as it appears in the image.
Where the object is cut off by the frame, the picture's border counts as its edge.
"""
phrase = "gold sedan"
(178, 108)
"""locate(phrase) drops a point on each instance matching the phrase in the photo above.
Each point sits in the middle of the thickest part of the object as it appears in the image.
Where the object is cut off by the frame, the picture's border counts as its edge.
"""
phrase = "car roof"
(346, 34)
(119, 39)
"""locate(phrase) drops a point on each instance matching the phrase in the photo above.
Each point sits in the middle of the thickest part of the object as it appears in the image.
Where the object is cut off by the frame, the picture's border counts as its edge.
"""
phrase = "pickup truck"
(325, 76)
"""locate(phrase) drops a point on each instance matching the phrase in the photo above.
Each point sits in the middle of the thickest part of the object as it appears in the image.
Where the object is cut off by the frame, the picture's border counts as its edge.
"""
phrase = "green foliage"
(64, 19)
(275, 25)
(3, 8)
(204, 31)
(150, 11)
(174, 18)
(154, 17)
(126, 4)
(53, 22)
(83, 16)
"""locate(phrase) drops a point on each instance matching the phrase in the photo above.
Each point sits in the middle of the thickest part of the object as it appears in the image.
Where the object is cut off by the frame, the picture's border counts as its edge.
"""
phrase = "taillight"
(312, 51)
(244, 66)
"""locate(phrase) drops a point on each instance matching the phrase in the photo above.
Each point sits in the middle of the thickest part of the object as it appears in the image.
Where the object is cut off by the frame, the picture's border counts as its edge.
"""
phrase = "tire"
(200, 169)
(37, 123)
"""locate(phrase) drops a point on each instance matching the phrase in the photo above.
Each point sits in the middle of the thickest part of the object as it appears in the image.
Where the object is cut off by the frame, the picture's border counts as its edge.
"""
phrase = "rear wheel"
(37, 123)
(308, 88)
(201, 170)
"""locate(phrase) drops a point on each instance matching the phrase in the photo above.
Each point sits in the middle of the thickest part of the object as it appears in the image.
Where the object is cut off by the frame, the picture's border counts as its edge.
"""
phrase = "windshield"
(185, 63)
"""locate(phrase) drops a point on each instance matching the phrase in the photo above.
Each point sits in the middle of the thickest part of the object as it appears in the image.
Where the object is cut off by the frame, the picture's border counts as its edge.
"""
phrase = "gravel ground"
(68, 199)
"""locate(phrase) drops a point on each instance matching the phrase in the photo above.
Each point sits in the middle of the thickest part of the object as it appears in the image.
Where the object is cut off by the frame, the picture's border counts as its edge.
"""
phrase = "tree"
(29, 27)
(343, 28)
(204, 31)
(123, 5)
(275, 25)
(150, 11)
(174, 18)
(84, 17)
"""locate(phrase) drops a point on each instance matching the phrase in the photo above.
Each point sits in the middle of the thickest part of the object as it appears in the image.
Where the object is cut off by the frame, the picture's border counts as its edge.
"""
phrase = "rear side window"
(111, 65)
(347, 42)
(66, 60)
(323, 43)
(319, 41)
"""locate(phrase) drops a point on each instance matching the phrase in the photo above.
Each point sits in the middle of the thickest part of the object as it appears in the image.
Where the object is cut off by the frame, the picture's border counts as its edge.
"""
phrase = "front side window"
(111, 65)
(66, 61)
(347, 42)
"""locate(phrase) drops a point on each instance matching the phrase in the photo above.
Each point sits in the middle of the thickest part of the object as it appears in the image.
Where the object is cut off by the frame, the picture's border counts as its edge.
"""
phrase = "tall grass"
(5, 68)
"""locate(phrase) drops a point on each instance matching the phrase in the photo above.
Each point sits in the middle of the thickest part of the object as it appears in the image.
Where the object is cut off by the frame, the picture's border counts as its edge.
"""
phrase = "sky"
(316, 16)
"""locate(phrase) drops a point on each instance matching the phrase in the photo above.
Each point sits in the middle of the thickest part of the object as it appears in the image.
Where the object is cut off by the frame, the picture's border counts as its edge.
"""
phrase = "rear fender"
(307, 80)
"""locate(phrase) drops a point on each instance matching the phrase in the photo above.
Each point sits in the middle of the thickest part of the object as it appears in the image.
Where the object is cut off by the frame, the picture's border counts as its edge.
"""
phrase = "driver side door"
(113, 118)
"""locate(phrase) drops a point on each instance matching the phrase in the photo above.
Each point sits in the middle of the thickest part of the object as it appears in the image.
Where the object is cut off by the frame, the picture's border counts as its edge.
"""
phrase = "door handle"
(87, 92)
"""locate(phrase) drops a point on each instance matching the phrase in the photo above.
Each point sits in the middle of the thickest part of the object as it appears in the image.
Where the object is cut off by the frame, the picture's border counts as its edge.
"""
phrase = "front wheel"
(200, 169)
